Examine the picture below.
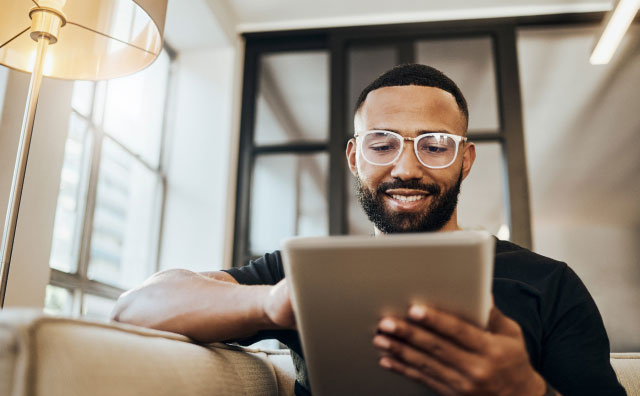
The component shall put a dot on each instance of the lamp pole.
(21, 165)
(45, 27)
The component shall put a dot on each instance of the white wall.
(29, 270)
(581, 134)
(607, 259)
(199, 159)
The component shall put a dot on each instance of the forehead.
(409, 110)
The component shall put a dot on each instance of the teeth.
(404, 198)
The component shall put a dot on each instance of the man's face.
(406, 196)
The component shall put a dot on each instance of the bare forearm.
(199, 307)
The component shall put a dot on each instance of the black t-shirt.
(562, 327)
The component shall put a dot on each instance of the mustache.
(413, 184)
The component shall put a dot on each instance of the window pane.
(134, 109)
(72, 197)
(82, 98)
(468, 62)
(58, 301)
(365, 65)
(123, 242)
(97, 308)
(292, 103)
(289, 197)
(481, 204)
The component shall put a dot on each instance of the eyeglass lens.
(382, 148)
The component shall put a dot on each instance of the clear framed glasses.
(433, 150)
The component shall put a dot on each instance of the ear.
(468, 157)
(351, 156)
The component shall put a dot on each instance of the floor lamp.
(75, 40)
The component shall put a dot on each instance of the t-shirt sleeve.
(267, 270)
(575, 358)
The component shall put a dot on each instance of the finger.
(438, 347)
(461, 332)
(499, 323)
(420, 361)
(394, 365)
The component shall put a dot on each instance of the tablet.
(341, 287)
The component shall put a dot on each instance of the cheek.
(449, 176)
(370, 175)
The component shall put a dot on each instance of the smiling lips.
(410, 198)
(406, 199)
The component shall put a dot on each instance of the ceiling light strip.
(615, 25)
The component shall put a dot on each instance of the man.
(409, 156)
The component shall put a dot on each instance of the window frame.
(78, 283)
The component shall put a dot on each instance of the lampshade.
(101, 39)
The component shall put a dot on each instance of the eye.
(381, 143)
(434, 149)
(381, 147)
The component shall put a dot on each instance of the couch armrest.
(42, 355)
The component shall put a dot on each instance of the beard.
(433, 218)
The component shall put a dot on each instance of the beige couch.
(42, 355)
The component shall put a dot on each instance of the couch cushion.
(627, 367)
(52, 356)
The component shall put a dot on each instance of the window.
(108, 214)
(289, 150)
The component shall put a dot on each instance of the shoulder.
(550, 280)
(265, 270)
(518, 264)
(509, 252)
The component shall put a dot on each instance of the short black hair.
(416, 74)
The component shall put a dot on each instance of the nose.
(408, 166)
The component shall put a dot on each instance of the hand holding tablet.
(453, 357)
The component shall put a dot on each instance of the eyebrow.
(420, 132)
